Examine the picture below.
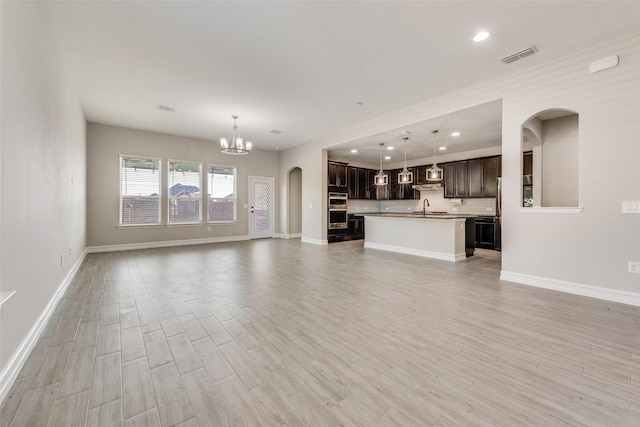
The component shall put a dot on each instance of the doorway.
(261, 202)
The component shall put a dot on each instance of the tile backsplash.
(437, 202)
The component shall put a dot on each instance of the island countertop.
(418, 215)
(439, 236)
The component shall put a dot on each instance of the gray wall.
(106, 143)
(560, 147)
(43, 171)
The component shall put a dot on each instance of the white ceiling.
(302, 67)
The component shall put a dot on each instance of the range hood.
(432, 186)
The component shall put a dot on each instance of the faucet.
(424, 209)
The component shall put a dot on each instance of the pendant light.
(380, 178)
(234, 144)
(434, 173)
(405, 177)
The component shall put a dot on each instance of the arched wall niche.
(550, 146)
(295, 202)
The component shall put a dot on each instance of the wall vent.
(519, 55)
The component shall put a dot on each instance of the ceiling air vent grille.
(519, 55)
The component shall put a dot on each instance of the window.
(184, 184)
(222, 194)
(139, 191)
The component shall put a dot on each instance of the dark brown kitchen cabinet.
(472, 178)
(476, 182)
(353, 182)
(490, 174)
(483, 177)
(461, 179)
(420, 174)
(361, 184)
(449, 176)
(338, 176)
(398, 191)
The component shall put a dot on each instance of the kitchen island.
(440, 236)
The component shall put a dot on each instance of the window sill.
(185, 224)
(222, 222)
(541, 210)
(139, 226)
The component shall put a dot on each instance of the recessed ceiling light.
(390, 148)
(354, 151)
(442, 148)
(455, 134)
(482, 35)
(387, 157)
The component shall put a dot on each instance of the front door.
(260, 207)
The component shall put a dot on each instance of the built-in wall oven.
(338, 222)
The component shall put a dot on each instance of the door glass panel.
(260, 206)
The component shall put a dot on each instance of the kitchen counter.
(419, 215)
(439, 236)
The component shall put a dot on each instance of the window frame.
(200, 219)
(121, 198)
(235, 193)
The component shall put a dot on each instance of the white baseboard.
(418, 252)
(287, 236)
(314, 241)
(16, 362)
(164, 244)
(623, 297)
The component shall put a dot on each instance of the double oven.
(338, 218)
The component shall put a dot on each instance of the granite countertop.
(418, 215)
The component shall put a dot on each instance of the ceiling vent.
(519, 55)
(166, 108)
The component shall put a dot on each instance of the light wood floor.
(275, 332)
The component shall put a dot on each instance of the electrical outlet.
(209, 228)
(634, 267)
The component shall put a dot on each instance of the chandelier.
(235, 144)
(434, 173)
(406, 176)
(380, 178)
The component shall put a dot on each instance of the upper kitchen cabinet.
(455, 179)
(420, 174)
(398, 191)
(490, 174)
(338, 176)
(475, 175)
(361, 183)
(483, 177)
(472, 178)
